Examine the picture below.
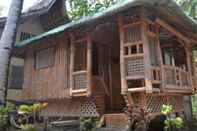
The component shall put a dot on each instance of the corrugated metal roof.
(166, 5)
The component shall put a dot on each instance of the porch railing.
(175, 78)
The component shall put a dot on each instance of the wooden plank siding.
(51, 82)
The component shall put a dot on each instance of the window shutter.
(45, 58)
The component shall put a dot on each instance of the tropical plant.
(4, 112)
(6, 44)
(88, 123)
(170, 121)
(194, 105)
(189, 6)
(28, 127)
(32, 110)
(81, 8)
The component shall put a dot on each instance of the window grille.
(25, 36)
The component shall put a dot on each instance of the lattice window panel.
(170, 76)
(132, 34)
(154, 103)
(80, 81)
(134, 65)
(89, 109)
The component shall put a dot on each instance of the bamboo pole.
(89, 65)
(72, 55)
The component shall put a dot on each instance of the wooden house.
(136, 53)
(38, 19)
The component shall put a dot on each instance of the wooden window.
(45, 58)
(153, 51)
(95, 60)
(25, 36)
(16, 77)
(167, 56)
(80, 59)
(132, 34)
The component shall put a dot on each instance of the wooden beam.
(124, 86)
(137, 89)
(172, 30)
(89, 64)
(193, 71)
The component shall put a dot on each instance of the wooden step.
(112, 129)
(100, 103)
(116, 120)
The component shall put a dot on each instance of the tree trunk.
(7, 42)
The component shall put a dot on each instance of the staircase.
(99, 101)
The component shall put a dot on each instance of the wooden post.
(160, 58)
(110, 78)
(193, 71)
(147, 62)
(189, 65)
(89, 64)
(124, 86)
(72, 56)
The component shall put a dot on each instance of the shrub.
(28, 127)
(4, 111)
(88, 123)
(170, 121)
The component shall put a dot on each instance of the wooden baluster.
(180, 78)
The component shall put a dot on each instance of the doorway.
(106, 64)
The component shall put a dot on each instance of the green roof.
(166, 5)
